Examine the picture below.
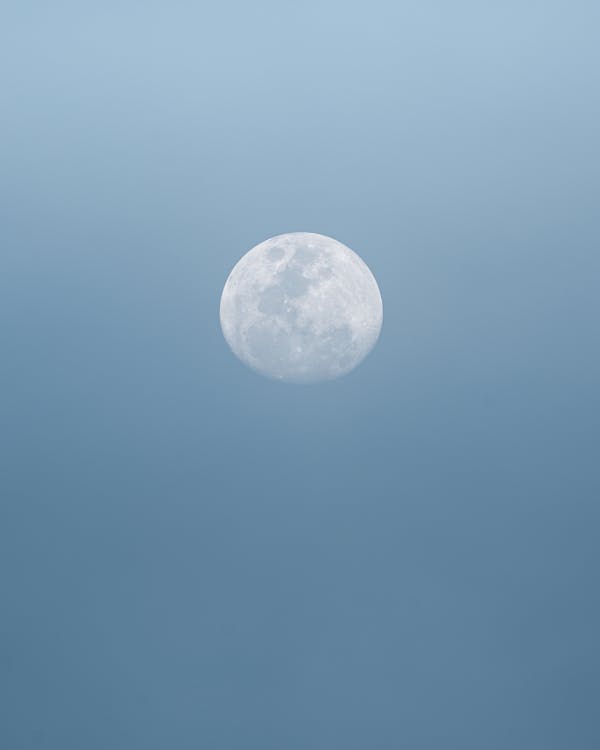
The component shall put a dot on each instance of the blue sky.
(193, 556)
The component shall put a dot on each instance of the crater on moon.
(301, 307)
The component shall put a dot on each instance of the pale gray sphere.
(301, 307)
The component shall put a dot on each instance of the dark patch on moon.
(293, 283)
(272, 301)
(304, 256)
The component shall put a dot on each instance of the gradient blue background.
(195, 557)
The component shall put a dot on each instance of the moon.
(301, 307)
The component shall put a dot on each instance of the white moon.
(301, 307)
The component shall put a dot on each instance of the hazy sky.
(192, 556)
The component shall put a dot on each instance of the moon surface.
(301, 307)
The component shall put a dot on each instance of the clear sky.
(192, 556)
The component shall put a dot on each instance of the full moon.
(301, 307)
